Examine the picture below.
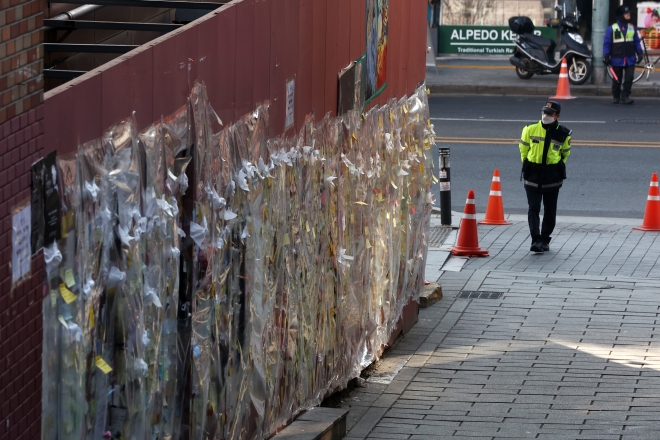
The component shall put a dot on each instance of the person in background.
(544, 148)
(622, 49)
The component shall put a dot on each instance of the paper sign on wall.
(21, 237)
(290, 100)
(52, 229)
(37, 202)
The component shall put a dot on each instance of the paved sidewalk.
(569, 350)
(498, 77)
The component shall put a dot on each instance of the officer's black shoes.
(537, 246)
(545, 247)
(615, 100)
(626, 100)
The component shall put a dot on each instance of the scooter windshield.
(570, 9)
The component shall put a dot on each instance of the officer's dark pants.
(534, 198)
(625, 73)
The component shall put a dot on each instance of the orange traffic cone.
(468, 239)
(495, 208)
(652, 212)
(563, 89)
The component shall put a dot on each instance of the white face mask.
(546, 118)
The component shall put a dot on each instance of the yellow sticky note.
(435, 179)
(421, 168)
(427, 144)
(91, 318)
(69, 279)
(103, 365)
(394, 186)
(67, 295)
(367, 244)
(287, 241)
(307, 226)
(360, 203)
(314, 232)
(380, 197)
(405, 108)
(366, 230)
(394, 221)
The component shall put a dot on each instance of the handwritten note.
(103, 365)
(67, 295)
(21, 249)
(69, 278)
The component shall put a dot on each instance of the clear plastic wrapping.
(219, 283)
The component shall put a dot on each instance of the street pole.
(598, 26)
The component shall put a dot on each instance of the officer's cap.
(622, 10)
(551, 107)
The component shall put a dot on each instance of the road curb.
(605, 90)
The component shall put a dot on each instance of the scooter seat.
(546, 43)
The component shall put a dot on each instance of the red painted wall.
(244, 52)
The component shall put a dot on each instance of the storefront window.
(496, 12)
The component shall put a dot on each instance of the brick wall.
(21, 56)
(21, 144)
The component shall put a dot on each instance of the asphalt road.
(615, 149)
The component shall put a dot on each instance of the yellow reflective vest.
(532, 142)
(623, 45)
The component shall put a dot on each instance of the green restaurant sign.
(481, 40)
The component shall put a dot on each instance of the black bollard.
(445, 186)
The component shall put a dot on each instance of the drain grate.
(640, 121)
(470, 294)
(437, 235)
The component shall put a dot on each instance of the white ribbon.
(198, 232)
(115, 276)
(228, 215)
(92, 190)
(52, 258)
(242, 182)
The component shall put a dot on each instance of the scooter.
(535, 55)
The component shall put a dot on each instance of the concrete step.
(316, 424)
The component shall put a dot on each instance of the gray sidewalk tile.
(555, 357)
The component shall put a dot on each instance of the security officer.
(622, 50)
(544, 148)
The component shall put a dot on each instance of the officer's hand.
(606, 60)
(640, 57)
